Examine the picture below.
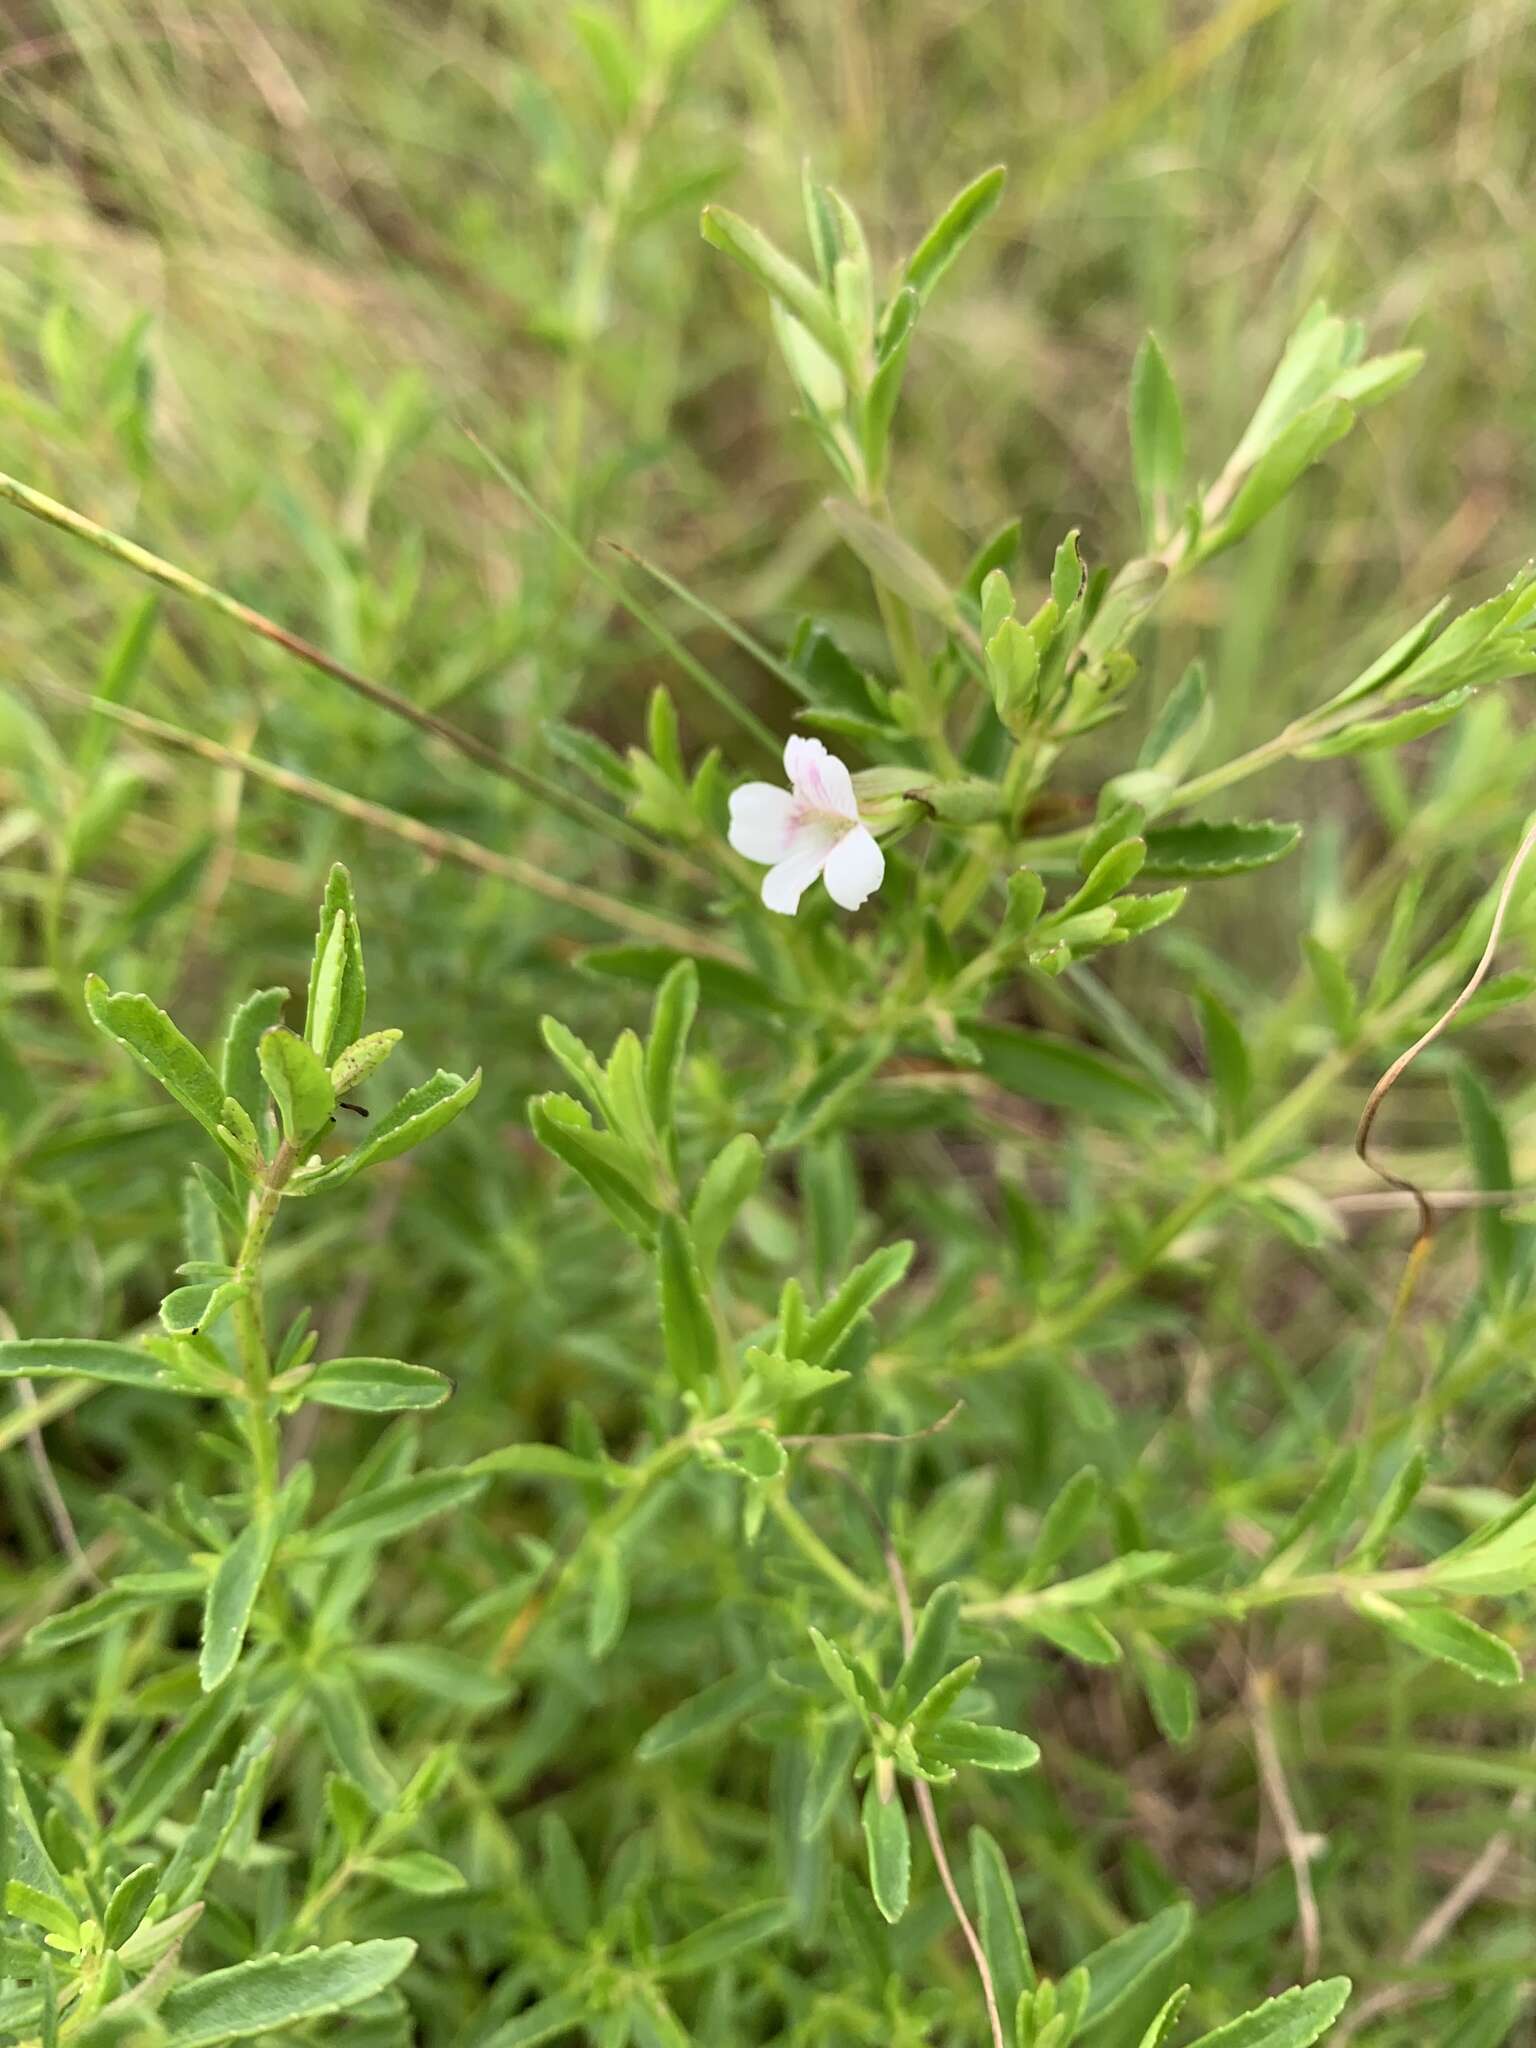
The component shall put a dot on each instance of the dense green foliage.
(869, 1477)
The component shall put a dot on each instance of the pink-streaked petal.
(855, 869)
(784, 885)
(820, 779)
(762, 821)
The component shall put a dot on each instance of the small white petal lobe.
(784, 885)
(855, 869)
(762, 821)
(819, 779)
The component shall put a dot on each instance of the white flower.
(810, 829)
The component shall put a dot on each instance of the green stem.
(826, 1561)
(251, 1333)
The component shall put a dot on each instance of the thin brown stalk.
(1370, 1387)
(1438, 1923)
(1447, 1017)
(875, 1436)
(1299, 1845)
(47, 1484)
(469, 744)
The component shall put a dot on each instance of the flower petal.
(855, 869)
(820, 780)
(762, 821)
(784, 885)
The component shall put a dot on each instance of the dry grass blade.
(438, 845)
(469, 744)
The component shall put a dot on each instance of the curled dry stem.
(1446, 1018)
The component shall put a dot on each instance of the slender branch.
(826, 1561)
(922, 1791)
(251, 1334)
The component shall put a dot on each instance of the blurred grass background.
(259, 266)
(262, 266)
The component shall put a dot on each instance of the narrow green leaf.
(1169, 1689)
(273, 1992)
(784, 279)
(864, 1286)
(1493, 1170)
(1180, 727)
(687, 1321)
(1169, 2011)
(999, 1922)
(1488, 2020)
(231, 1597)
(1128, 1962)
(837, 1668)
(160, 1049)
(1277, 468)
(354, 1063)
(607, 1166)
(385, 1512)
(1372, 734)
(542, 2022)
(893, 562)
(333, 1015)
(413, 1119)
(129, 1903)
(1294, 2020)
(172, 1765)
(1390, 1510)
(889, 1850)
(118, 1365)
(929, 1655)
(22, 1852)
(608, 1609)
(1227, 1061)
(1204, 851)
(543, 1461)
(677, 1002)
(375, 1385)
(300, 1085)
(953, 229)
(223, 1806)
(1447, 1636)
(241, 1062)
(325, 989)
(42, 1909)
(1157, 436)
(830, 1091)
(987, 1748)
(708, 1947)
(730, 1178)
(708, 1713)
(185, 1310)
(417, 1872)
(1063, 1074)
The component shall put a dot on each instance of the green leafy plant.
(914, 1372)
